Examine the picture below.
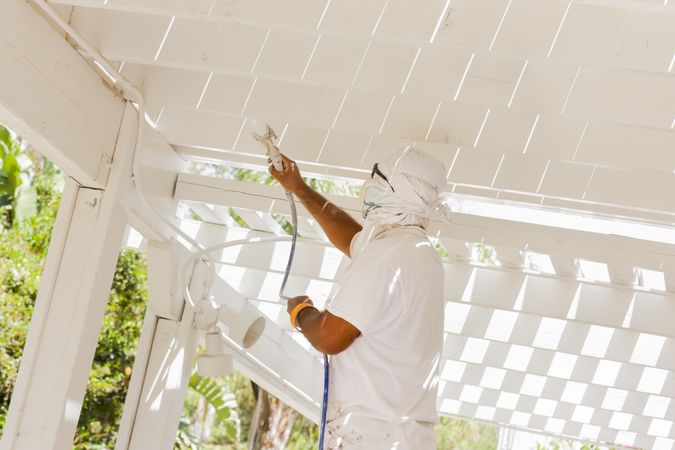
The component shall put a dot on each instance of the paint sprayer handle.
(275, 157)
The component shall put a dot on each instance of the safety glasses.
(377, 171)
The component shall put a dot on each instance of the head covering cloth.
(409, 196)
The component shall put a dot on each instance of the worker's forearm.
(313, 328)
(339, 226)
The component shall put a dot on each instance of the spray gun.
(273, 154)
(267, 139)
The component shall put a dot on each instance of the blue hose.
(324, 405)
(326, 376)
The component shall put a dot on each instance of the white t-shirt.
(383, 387)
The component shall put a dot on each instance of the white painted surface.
(533, 107)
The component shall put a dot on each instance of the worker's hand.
(295, 301)
(290, 177)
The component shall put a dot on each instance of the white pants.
(351, 433)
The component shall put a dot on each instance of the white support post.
(166, 380)
(66, 323)
(165, 276)
(133, 397)
(165, 359)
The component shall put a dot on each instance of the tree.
(10, 175)
(115, 353)
(272, 423)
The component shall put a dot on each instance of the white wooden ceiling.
(559, 106)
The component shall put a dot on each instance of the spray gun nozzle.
(270, 135)
(271, 149)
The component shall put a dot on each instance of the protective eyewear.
(377, 171)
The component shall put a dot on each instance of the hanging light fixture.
(244, 326)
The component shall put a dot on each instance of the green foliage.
(223, 402)
(115, 353)
(458, 434)
(184, 439)
(230, 429)
(304, 435)
(485, 254)
(10, 174)
(23, 247)
(237, 383)
(566, 444)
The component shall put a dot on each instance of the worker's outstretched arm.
(339, 226)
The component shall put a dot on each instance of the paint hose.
(267, 139)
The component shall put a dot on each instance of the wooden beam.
(543, 239)
(167, 375)
(53, 99)
(545, 337)
(561, 298)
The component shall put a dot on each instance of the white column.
(165, 359)
(166, 380)
(66, 323)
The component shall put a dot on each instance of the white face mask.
(372, 196)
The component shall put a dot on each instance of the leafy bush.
(23, 247)
(115, 353)
(458, 434)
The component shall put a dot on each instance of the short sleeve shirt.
(393, 293)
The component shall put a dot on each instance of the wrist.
(303, 314)
(301, 189)
(297, 309)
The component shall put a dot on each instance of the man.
(384, 324)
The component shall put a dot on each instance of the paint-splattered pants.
(350, 433)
